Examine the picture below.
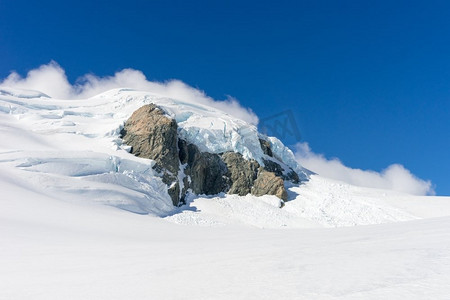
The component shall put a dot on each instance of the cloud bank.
(51, 79)
(394, 177)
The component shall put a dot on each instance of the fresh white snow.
(81, 218)
(57, 250)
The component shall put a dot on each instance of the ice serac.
(185, 168)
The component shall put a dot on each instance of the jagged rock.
(153, 135)
(174, 191)
(292, 176)
(207, 172)
(265, 146)
(277, 169)
(273, 167)
(241, 172)
(183, 153)
(267, 183)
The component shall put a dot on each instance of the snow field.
(52, 249)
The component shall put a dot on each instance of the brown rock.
(268, 183)
(153, 135)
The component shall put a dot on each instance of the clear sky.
(367, 82)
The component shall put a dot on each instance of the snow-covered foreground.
(81, 218)
(56, 250)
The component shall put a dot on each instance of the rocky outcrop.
(208, 174)
(276, 168)
(265, 146)
(242, 173)
(267, 183)
(271, 165)
(206, 171)
(152, 134)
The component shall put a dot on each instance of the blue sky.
(368, 83)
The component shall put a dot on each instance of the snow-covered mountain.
(82, 217)
(72, 150)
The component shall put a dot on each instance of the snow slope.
(80, 217)
(52, 249)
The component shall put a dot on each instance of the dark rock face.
(265, 146)
(242, 173)
(292, 176)
(153, 135)
(227, 172)
(277, 169)
(208, 174)
(183, 153)
(271, 166)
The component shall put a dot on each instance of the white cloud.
(51, 79)
(395, 177)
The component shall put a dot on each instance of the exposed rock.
(174, 191)
(153, 135)
(265, 146)
(273, 167)
(242, 172)
(207, 172)
(292, 176)
(277, 169)
(183, 151)
(268, 183)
